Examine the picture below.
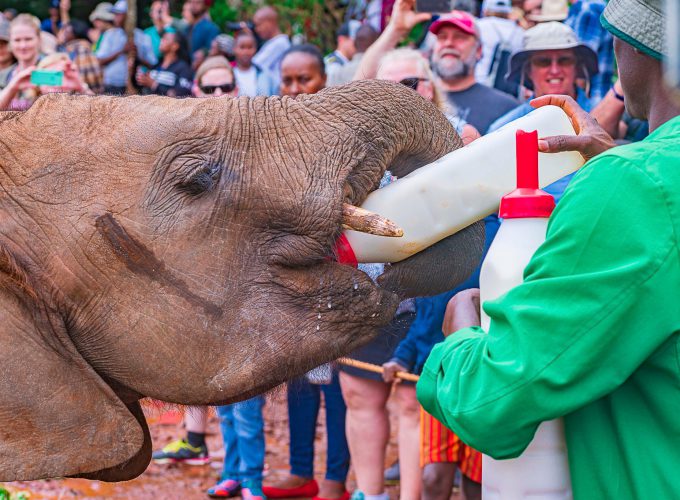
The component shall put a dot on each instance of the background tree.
(317, 20)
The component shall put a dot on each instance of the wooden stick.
(130, 25)
(370, 367)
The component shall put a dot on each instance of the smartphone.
(434, 6)
(47, 77)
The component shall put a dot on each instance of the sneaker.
(392, 474)
(182, 452)
(226, 488)
(252, 490)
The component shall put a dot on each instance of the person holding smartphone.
(24, 43)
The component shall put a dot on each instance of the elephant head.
(178, 249)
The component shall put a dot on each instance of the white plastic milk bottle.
(542, 471)
(441, 198)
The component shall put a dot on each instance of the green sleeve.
(598, 298)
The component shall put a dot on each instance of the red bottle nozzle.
(344, 252)
(527, 200)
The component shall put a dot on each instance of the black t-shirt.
(175, 80)
(480, 105)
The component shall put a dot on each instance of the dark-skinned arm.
(590, 139)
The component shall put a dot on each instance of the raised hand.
(405, 18)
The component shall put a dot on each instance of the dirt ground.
(180, 482)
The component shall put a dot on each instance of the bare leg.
(408, 439)
(471, 490)
(438, 480)
(368, 429)
(196, 419)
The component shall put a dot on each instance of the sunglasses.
(544, 61)
(211, 89)
(412, 82)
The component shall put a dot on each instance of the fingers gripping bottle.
(542, 471)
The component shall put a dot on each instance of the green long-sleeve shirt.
(591, 334)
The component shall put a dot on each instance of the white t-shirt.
(246, 81)
(493, 30)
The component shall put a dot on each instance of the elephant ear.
(438, 268)
(59, 418)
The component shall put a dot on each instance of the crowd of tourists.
(480, 64)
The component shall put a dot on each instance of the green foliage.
(317, 20)
(5, 494)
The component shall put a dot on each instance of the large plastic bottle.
(460, 188)
(542, 471)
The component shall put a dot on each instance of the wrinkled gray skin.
(176, 250)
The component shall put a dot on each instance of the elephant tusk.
(358, 219)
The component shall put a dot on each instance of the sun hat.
(464, 21)
(212, 62)
(641, 23)
(551, 10)
(120, 7)
(500, 6)
(102, 11)
(552, 36)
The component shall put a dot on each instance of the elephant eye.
(201, 180)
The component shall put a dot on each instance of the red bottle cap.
(527, 200)
(344, 252)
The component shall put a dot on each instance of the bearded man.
(456, 52)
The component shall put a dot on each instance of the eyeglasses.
(545, 61)
(210, 89)
(412, 82)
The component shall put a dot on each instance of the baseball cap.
(120, 7)
(458, 19)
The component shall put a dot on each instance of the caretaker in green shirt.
(592, 333)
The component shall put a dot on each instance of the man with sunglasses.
(551, 60)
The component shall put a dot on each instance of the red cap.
(458, 19)
(344, 252)
(527, 200)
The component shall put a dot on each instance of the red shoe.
(308, 489)
(344, 496)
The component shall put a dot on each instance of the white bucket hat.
(552, 36)
(102, 11)
(551, 10)
(640, 23)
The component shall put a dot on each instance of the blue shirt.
(584, 19)
(201, 35)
